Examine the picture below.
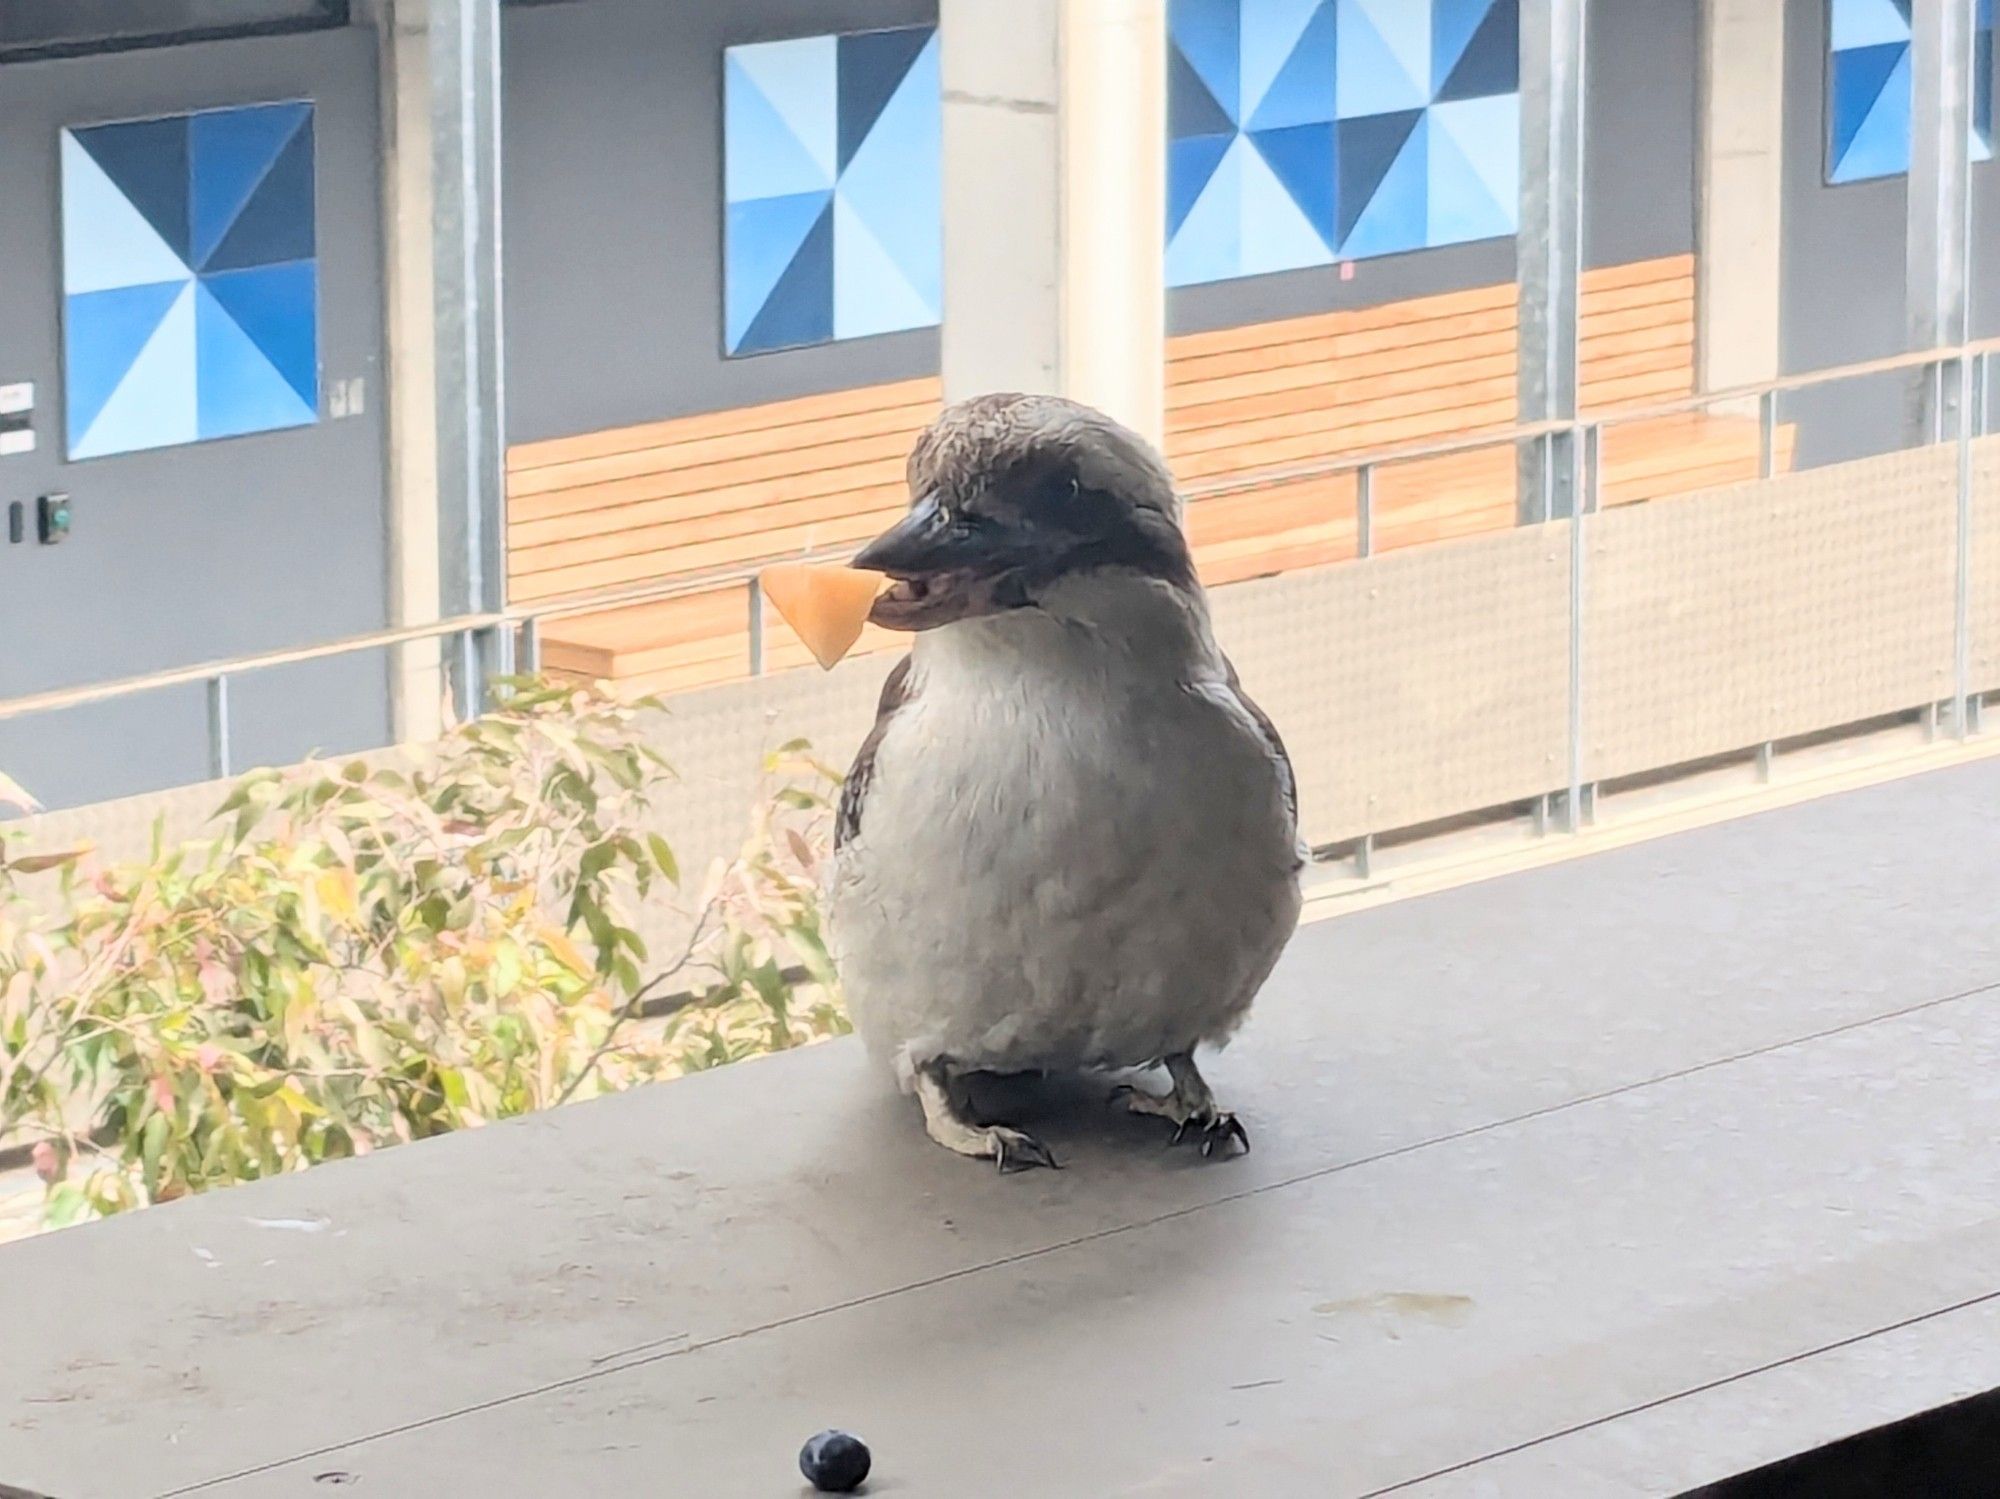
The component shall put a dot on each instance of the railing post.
(218, 727)
(756, 628)
(1961, 689)
(465, 172)
(1364, 510)
(531, 645)
(1767, 433)
(1573, 808)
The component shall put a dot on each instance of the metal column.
(1939, 227)
(1938, 242)
(1550, 247)
(465, 175)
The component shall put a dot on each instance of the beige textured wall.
(1716, 621)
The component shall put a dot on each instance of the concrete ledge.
(1648, 1167)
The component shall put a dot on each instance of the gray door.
(224, 498)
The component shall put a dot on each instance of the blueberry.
(835, 1462)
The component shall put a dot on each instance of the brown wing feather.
(854, 791)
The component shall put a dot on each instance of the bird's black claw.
(1017, 1150)
(1219, 1129)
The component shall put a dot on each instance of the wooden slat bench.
(726, 490)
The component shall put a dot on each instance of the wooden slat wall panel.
(736, 487)
(733, 488)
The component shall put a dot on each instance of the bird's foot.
(1189, 1107)
(948, 1120)
(1218, 1129)
(1017, 1150)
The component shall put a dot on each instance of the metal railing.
(1971, 365)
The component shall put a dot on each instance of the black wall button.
(17, 522)
(52, 518)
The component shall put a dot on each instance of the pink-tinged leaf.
(217, 983)
(163, 1094)
(48, 1165)
(801, 850)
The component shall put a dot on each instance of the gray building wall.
(613, 200)
(187, 554)
(613, 195)
(1844, 288)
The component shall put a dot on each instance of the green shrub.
(365, 956)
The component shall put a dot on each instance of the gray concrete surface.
(1605, 1179)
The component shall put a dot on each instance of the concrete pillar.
(1055, 201)
(418, 683)
(1741, 172)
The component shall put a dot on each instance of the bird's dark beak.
(944, 571)
(921, 542)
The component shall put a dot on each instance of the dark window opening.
(64, 28)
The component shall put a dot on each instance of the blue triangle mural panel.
(1868, 89)
(763, 237)
(1191, 162)
(229, 153)
(1396, 216)
(891, 191)
(273, 305)
(870, 67)
(799, 309)
(1375, 71)
(1369, 147)
(276, 223)
(1453, 25)
(1207, 33)
(1302, 91)
(1301, 158)
(1491, 61)
(239, 390)
(876, 120)
(1191, 108)
(104, 332)
(230, 193)
(148, 162)
(766, 158)
(1858, 77)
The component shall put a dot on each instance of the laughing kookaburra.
(1070, 841)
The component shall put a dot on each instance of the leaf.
(37, 863)
(152, 1140)
(65, 1205)
(505, 974)
(338, 894)
(663, 856)
(566, 952)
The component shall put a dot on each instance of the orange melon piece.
(826, 605)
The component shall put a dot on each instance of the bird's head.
(1013, 494)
